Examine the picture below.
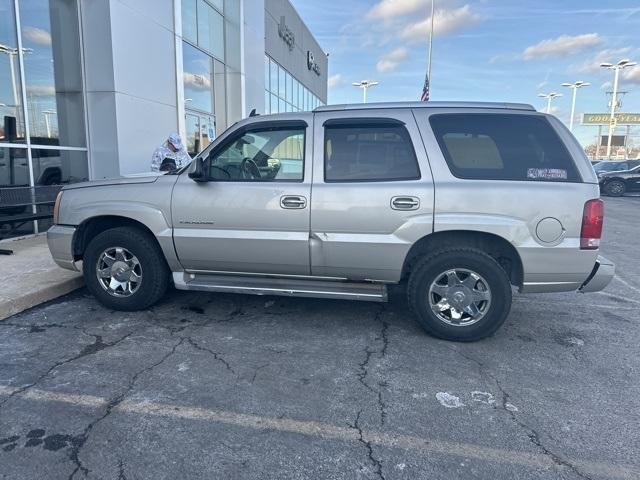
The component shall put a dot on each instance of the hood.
(148, 178)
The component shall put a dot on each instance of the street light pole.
(549, 97)
(365, 85)
(433, 11)
(12, 53)
(46, 114)
(574, 86)
(614, 98)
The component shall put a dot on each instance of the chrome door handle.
(293, 201)
(405, 203)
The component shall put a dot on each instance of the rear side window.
(503, 147)
(369, 153)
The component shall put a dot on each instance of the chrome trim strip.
(268, 275)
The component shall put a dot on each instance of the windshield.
(610, 166)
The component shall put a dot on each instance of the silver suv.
(460, 201)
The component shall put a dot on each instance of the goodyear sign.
(604, 118)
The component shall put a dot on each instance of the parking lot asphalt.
(244, 387)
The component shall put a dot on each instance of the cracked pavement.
(245, 387)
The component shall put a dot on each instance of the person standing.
(171, 155)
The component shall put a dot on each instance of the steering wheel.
(226, 174)
(249, 169)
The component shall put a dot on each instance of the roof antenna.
(253, 113)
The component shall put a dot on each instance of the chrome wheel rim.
(459, 297)
(615, 188)
(119, 272)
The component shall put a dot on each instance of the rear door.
(372, 193)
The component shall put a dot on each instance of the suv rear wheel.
(125, 269)
(459, 294)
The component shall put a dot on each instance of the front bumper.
(60, 241)
(602, 273)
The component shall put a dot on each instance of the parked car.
(459, 201)
(617, 178)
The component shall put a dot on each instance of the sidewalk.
(30, 277)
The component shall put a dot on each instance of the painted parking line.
(310, 428)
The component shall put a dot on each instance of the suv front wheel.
(125, 269)
(459, 294)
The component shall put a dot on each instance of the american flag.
(425, 89)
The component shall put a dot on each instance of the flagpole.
(433, 2)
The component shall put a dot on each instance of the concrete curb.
(33, 299)
(30, 277)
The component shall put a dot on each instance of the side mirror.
(198, 172)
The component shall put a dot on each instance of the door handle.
(405, 203)
(293, 202)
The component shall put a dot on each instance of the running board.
(290, 287)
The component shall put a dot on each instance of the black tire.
(431, 267)
(615, 188)
(155, 272)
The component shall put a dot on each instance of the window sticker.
(547, 174)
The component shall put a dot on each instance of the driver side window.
(267, 155)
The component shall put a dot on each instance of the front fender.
(76, 209)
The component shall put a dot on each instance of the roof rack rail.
(382, 105)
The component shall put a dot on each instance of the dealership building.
(88, 89)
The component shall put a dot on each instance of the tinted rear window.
(503, 147)
(369, 153)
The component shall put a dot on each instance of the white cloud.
(608, 55)
(197, 82)
(445, 21)
(390, 61)
(335, 80)
(562, 46)
(388, 9)
(632, 75)
(37, 36)
(606, 85)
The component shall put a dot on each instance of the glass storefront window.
(282, 82)
(189, 21)
(197, 78)
(285, 92)
(53, 74)
(220, 85)
(192, 128)
(273, 84)
(288, 87)
(210, 29)
(59, 167)
(219, 4)
(11, 112)
(200, 131)
(14, 167)
(14, 172)
(233, 46)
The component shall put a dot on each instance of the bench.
(19, 205)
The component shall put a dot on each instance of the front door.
(253, 214)
(372, 193)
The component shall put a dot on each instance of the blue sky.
(493, 50)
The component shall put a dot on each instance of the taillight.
(592, 219)
(56, 208)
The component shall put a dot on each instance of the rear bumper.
(600, 276)
(602, 273)
(60, 241)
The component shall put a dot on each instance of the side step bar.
(291, 287)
